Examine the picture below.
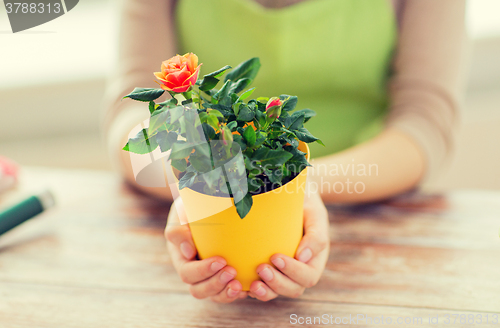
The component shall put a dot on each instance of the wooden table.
(99, 260)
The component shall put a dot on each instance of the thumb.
(316, 232)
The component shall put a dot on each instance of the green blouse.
(333, 54)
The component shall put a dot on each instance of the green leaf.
(271, 157)
(213, 121)
(215, 112)
(240, 85)
(157, 120)
(209, 131)
(203, 149)
(234, 97)
(223, 92)
(212, 179)
(239, 140)
(294, 121)
(180, 149)
(176, 113)
(208, 83)
(203, 117)
(179, 164)
(261, 137)
(290, 102)
(275, 176)
(227, 111)
(236, 108)
(152, 107)
(298, 162)
(289, 139)
(276, 157)
(245, 94)
(187, 180)
(304, 135)
(210, 93)
(169, 103)
(145, 94)
(218, 73)
(200, 162)
(141, 143)
(254, 184)
(308, 113)
(260, 118)
(248, 69)
(260, 153)
(244, 205)
(232, 125)
(166, 139)
(249, 135)
(187, 101)
(249, 163)
(245, 114)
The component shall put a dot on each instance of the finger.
(213, 285)
(192, 272)
(261, 291)
(278, 282)
(179, 235)
(316, 229)
(303, 274)
(230, 293)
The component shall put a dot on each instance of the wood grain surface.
(99, 260)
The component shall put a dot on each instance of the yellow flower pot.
(273, 225)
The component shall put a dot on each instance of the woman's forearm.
(387, 165)
(117, 136)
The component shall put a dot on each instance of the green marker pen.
(25, 210)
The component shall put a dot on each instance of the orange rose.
(179, 73)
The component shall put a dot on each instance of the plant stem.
(199, 97)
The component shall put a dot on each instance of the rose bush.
(203, 128)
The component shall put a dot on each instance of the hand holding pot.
(290, 277)
(208, 278)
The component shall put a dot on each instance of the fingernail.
(232, 293)
(216, 266)
(187, 250)
(279, 263)
(305, 255)
(226, 277)
(266, 274)
(260, 291)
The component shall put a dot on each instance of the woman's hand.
(208, 278)
(290, 277)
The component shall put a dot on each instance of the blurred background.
(52, 81)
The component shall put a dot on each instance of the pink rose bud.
(274, 101)
(273, 107)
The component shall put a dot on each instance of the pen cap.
(47, 199)
(25, 210)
